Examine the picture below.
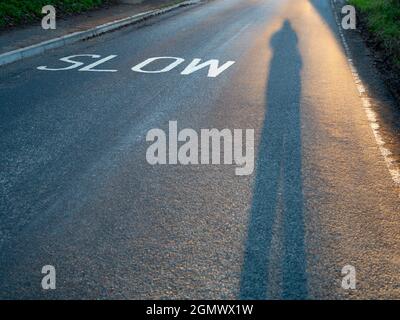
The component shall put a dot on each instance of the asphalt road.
(77, 192)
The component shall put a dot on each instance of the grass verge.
(382, 18)
(17, 12)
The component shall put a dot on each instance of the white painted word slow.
(213, 66)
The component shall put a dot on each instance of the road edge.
(390, 162)
(36, 49)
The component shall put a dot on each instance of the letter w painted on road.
(214, 69)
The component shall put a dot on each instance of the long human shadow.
(278, 196)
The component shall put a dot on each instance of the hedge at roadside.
(383, 21)
(16, 12)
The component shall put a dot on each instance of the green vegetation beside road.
(15, 12)
(383, 21)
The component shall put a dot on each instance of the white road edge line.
(371, 114)
(19, 54)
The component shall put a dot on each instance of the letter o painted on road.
(172, 65)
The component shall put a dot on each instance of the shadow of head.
(285, 34)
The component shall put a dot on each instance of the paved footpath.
(21, 37)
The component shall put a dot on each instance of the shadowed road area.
(77, 193)
(278, 195)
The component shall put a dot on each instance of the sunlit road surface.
(77, 192)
